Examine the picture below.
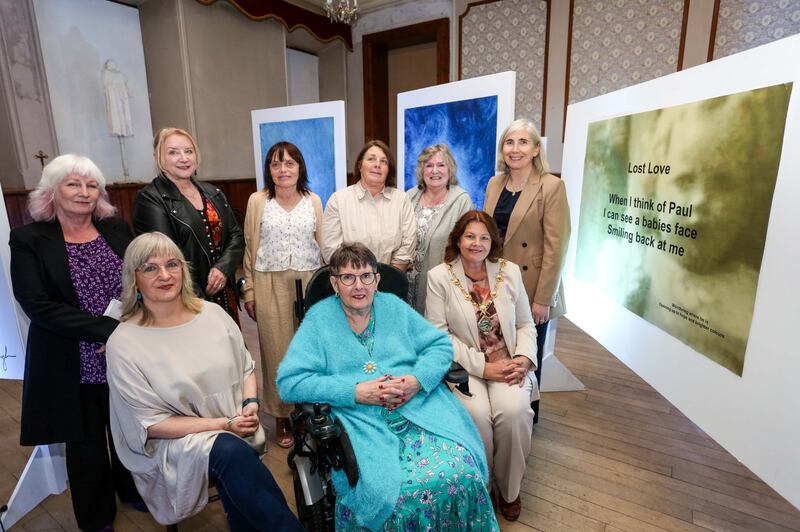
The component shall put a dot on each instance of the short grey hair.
(356, 254)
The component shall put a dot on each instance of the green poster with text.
(674, 214)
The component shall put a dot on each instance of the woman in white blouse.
(372, 212)
(282, 236)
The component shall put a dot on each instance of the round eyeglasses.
(151, 270)
(348, 279)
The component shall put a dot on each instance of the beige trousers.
(274, 295)
(504, 419)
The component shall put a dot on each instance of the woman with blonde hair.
(194, 214)
(183, 397)
(438, 203)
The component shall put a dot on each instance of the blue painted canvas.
(314, 137)
(468, 127)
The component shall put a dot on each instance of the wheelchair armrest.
(458, 376)
(332, 445)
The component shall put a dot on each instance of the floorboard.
(614, 457)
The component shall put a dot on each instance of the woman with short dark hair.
(373, 211)
(479, 299)
(379, 364)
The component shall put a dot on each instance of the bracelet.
(251, 400)
(229, 424)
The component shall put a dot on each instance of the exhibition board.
(674, 292)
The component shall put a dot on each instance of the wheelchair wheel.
(313, 517)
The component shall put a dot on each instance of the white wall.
(77, 38)
(303, 73)
(755, 417)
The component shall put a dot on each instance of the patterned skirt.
(442, 488)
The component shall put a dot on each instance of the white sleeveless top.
(288, 238)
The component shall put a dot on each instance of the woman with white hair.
(529, 205)
(66, 267)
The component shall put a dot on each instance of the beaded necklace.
(485, 323)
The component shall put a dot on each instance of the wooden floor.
(615, 457)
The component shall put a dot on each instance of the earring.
(138, 296)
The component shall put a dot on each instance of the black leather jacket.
(160, 206)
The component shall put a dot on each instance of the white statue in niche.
(118, 95)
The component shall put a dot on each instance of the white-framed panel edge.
(754, 417)
(500, 85)
(334, 109)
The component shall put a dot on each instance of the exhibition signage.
(674, 214)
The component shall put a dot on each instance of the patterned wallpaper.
(508, 35)
(618, 43)
(745, 24)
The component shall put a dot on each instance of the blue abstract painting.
(314, 137)
(468, 127)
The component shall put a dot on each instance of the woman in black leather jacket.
(195, 215)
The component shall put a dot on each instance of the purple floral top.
(96, 273)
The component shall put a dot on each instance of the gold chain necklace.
(485, 323)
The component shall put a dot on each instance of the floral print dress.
(442, 488)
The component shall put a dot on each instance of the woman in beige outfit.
(529, 205)
(282, 236)
(480, 300)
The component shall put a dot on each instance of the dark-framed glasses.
(348, 279)
(151, 269)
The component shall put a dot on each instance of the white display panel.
(469, 116)
(317, 129)
(753, 416)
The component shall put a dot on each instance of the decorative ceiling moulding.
(292, 17)
(646, 57)
(519, 15)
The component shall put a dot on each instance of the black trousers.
(95, 473)
(541, 336)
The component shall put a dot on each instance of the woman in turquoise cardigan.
(380, 365)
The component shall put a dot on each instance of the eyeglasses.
(151, 270)
(348, 279)
(277, 165)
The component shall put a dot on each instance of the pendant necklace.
(367, 339)
(485, 322)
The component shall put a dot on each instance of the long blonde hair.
(139, 251)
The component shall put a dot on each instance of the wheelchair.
(321, 444)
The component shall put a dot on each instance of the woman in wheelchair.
(379, 365)
(182, 394)
(480, 300)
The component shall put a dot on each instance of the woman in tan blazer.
(282, 244)
(530, 208)
(480, 300)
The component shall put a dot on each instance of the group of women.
(180, 383)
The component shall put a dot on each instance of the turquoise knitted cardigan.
(324, 363)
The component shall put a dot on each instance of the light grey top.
(456, 204)
(194, 369)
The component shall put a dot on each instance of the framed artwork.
(317, 129)
(468, 116)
